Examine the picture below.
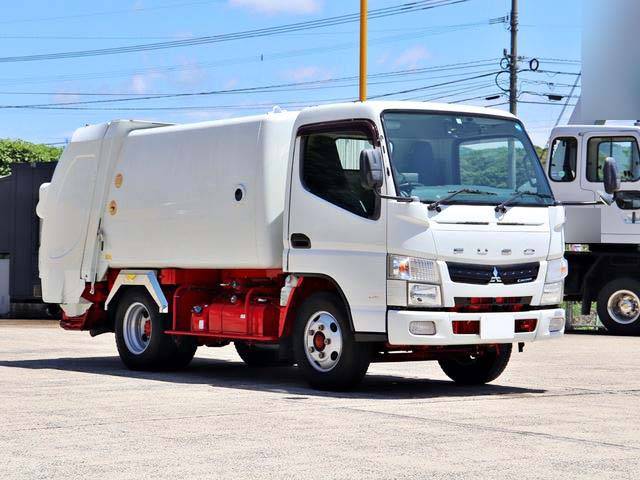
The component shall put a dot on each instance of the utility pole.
(513, 57)
(363, 50)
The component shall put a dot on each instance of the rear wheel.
(479, 368)
(140, 338)
(619, 306)
(324, 345)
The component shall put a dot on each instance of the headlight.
(413, 269)
(552, 293)
(557, 270)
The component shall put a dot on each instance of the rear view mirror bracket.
(372, 174)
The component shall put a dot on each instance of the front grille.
(491, 301)
(491, 304)
(485, 274)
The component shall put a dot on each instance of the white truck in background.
(331, 237)
(603, 239)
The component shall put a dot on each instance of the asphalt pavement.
(69, 409)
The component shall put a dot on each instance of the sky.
(450, 53)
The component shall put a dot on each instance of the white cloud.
(280, 6)
(302, 74)
(412, 57)
(231, 83)
(63, 97)
(139, 84)
(191, 71)
(143, 82)
(383, 57)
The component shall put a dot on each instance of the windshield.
(436, 155)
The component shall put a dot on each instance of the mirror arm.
(601, 201)
(391, 197)
(578, 204)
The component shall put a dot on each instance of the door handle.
(300, 240)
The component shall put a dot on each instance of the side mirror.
(371, 170)
(611, 179)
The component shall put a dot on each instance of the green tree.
(542, 153)
(16, 151)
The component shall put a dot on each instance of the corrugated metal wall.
(349, 152)
(20, 226)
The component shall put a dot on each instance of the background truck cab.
(604, 262)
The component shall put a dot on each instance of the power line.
(82, 105)
(548, 94)
(401, 9)
(566, 104)
(174, 68)
(281, 87)
(110, 12)
(556, 72)
(547, 103)
(418, 89)
(397, 75)
(437, 29)
(475, 98)
(447, 91)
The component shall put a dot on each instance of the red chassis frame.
(218, 306)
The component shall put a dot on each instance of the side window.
(563, 159)
(623, 149)
(331, 169)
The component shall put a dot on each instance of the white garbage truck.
(328, 238)
(602, 236)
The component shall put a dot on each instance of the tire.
(619, 306)
(185, 351)
(339, 364)
(140, 338)
(257, 356)
(469, 370)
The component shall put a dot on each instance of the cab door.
(620, 222)
(564, 172)
(336, 227)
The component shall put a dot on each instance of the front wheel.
(619, 306)
(477, 369)
(324, 345)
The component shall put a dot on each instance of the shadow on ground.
(227, 374)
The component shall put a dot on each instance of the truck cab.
(453, 259)
(602, 239)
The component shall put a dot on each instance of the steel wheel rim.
(323, 341)
(136, 328)
(624, 307)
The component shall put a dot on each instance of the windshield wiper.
(436, 205)
(502, 208)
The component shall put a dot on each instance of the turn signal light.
(526, 325)
(466, 327)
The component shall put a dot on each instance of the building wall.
(19, 226)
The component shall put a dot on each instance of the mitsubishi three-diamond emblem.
(496, 276)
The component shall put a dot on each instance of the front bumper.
(494, 327)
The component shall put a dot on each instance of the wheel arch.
(146, 279)
(604, 269)
(313, 283)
